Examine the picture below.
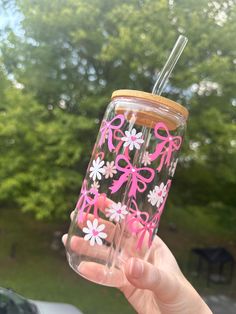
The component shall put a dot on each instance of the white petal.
(131, 146)
(127, 133)
(92, 241)
(139, 140)
(157, 190)
(101, 227)
(98, 176)
(153, 202)
(133, 132)
(102, 170)
(117, 218)
(126, 144)
(86, 230)
(113, 216)
(101, 163)
(89, 224)
(98, 240)
(95, 223)
(95, 162)
(138, 135)
(102, 235)
(113, 211)
(137, 146)
(87, 237)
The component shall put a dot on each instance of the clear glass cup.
(126, 185)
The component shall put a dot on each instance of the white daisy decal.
(132, 139)
(173, 167)
(156, 196)
(109, 169)
(146, 159)
(97, 169)
(152, 197)
(116, 212)
(94, 232)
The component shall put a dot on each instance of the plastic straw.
(169, 65)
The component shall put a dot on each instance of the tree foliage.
(69, 57)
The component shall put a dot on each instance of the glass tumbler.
(126, 185)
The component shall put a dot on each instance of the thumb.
(144, 275)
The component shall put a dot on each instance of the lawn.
(185, 228)
(38, 272)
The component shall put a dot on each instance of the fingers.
(103, 202)
(144, 275)
(102, 274)
(81, 247)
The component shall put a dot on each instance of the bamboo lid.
(150, 118)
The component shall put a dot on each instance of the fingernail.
(135, 268)
(63, 239)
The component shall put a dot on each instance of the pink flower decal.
(146, 159)
(138, 181)
(94, 232)
(116, 212)
(166, 147)
(95, 185)
(109, 169)
(108, 127)
(87, 201)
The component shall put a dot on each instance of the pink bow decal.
(138, 182)
(166, 147)
(136, 218)
(108, 127)
(147, 228)
(118, 138)
(139, 224)
(86, 202)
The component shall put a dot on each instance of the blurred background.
(59, 63)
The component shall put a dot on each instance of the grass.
(37, 272)
(185, 228)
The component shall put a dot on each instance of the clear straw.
(170, 64)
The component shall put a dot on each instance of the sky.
(10, 17)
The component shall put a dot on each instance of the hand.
(156, 285)
(159, 286)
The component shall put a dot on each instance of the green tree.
(72, 54)
(41, 153)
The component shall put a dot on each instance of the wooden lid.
(155, 99)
